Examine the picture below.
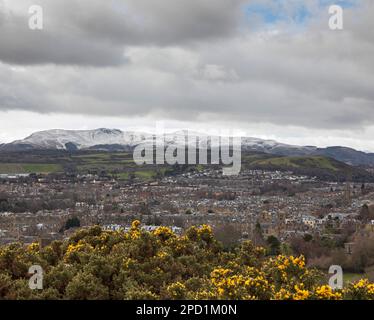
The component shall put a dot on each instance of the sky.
(271, 68)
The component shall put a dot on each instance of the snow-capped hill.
(78, 139)
(272, 146)
(58, 139)
(114, 140)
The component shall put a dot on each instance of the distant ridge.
(116, 140)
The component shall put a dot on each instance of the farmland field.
(13, 168)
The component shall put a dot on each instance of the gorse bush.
(97, 264)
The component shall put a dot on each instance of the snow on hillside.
(57, 139)
(83, 139)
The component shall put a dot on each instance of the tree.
(258, 235)
(274, 245)
(73, 222)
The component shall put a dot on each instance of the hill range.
(108, 151)
(116, 140)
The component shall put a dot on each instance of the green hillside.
(324, 168)
(122, 166)
(315, 162)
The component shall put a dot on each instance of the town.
(256, 205)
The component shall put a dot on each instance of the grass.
(298, 162)
(93, 156)
(123, 176)
(140, 174)
(281, 162)
(121, 165)
(352, 277)
(145, 174)
(106, 161)
(13, 168)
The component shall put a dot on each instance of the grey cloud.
(315, 78)
(95, 32)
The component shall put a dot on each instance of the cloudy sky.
(272, 68)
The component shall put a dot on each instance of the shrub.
(98, 264)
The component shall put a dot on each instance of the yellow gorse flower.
(326, 293)
(164, 265)
(164, 233)
(33, 247)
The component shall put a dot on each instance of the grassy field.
(121, 164)
(297, 162)
(111, 162)
(145, 174)
(13, 168)
(118, 164)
